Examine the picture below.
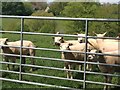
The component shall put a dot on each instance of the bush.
(40, 25)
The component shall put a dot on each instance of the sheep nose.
(90, 57)
(57, 43)
(80, 41)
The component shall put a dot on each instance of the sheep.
(58, 40)
(107, 60)
(72, 55)
(15, 50)
(81, 39)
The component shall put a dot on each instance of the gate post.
(85, 56)
(21, 39)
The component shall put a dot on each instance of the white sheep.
(58, 40)
(72, 55)
(106, 60)
(16, 50)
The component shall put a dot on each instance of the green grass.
(10, 24)
(46, 42)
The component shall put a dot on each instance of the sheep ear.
(58, 33)
(94, 33)
(6, 39)
(61, 37)
(104, 33)
(98, 51)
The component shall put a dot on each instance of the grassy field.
(46, 42)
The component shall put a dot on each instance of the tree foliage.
(39, 5)
(106, 11)
(91, 10)
(57, 7)
(16, 8)
(66, 9)
(40, 25)
(78, 10)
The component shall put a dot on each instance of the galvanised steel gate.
(84, 81)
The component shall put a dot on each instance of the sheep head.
(81, 38)
(65, 46)
(3, 41)
(58, 40)
(93, 57)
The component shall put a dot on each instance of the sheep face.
(80, 38)
(92, 57)
(65, 46)
(3, 41)
(58, 40)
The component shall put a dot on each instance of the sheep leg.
(32, 53)
(72, 67)
(106, 81)
(7, 60)
(13, 60)
(89, 67)
(23, 62)
(70, 72)
(67, 71)
(33, 63)
(66, 65)
(109, 81)
(80, 67)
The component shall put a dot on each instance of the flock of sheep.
(104, 46)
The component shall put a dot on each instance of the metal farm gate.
(22, 32)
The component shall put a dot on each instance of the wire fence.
(85, 61)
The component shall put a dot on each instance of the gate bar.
(21, 39)
(61, 18)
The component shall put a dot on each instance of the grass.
(10, 24)
(46, 42)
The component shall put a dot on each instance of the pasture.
(47, 42)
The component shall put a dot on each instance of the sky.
(111, 1)
(105, 1)
(102, 1)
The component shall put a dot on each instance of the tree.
(78, 10)
(106, 11)
(46, 26)
(57, 7)
(16, 8)
(39, 5)
(28, 8)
